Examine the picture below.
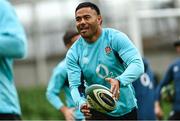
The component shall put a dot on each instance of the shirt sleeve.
(165, 81)
(130, 56)
(56, 82)
(74, 76)
(12, 36)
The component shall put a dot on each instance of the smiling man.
(103, 56)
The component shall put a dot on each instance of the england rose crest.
(108, 50)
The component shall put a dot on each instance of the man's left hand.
(115, 87)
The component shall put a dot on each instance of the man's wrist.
(157, 103)
(119, 82)
(63, 109)
(83, 101)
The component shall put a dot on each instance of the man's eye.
(77, 19)
(87, 17)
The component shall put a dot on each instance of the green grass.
(166, 107)
(35, 106)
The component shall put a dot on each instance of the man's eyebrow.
(83, 15)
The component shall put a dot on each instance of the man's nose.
(83, 21)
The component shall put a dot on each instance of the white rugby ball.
(100, 98)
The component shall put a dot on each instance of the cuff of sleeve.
(122, 83)
(82, 101)
(60, 106)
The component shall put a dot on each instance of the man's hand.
(158, 111)
(68, 113)
(115, 87)
(85, 109)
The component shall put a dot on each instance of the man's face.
(87, 22)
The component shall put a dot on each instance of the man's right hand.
(85, 109)
(68, 113)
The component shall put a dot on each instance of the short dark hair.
(88, 4)
(177, 43)
(68, 35)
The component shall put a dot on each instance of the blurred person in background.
(145, 93)
(13, 45)
(59, 82)
(103, 48)
(172, 75)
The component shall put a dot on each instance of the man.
(103, 56)
(172, 74)
(12, 46)
(145, 92)
(59, 82)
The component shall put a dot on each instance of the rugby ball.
(100, 98)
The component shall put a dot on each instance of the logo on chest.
(108, 50)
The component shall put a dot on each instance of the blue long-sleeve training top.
(98, 60)
(13, 45)
(57, 83)
(145, 93)
(172, 74)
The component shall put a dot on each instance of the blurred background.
(153, 26)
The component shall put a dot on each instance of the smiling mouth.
(84, 30)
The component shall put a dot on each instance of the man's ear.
(100, 20)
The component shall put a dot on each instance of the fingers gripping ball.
(100, 98)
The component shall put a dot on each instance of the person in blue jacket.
(59, 82)
(145, 93)
(13, 45)
(172, 74)
(103, 56)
